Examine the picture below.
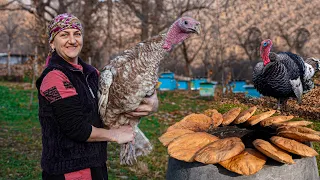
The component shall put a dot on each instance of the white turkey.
(132, 76)
(283, 75)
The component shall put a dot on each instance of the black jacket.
(66, 123)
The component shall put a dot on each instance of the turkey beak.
(197, 28)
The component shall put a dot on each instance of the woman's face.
(68, 44)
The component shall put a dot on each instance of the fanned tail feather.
(314, 62)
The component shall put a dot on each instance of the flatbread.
(193, 122)
(169, 136)
(185, 147)
(230, 116)
(293, 146)
(272, 151)
(248, 162)
(293, 123)
(275, 119)
(245, 115)
(302, 137)
(217, 119)
(297, 129)
(215, 116)
(220, 150)
(259, 117)
(210, 112)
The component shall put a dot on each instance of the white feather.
(297, 88)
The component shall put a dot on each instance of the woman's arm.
(73, 123)
(121, 135)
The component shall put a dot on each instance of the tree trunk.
(144, 19)
(34, 70)
(34, 67)
(187, 69)
(8, 60)
(109, 29)
(187, 60)
(156, 17)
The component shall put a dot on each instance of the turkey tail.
(314, 62)
(297, 88)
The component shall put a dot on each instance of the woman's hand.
(123, 134)
(147, 106)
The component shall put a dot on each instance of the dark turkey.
(282, 75)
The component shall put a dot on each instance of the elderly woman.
(73, 139)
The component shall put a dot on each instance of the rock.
(304, 169)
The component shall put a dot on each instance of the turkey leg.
(131, 150)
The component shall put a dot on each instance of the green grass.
(20, 147)
(20, 134)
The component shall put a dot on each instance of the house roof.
(15, 54)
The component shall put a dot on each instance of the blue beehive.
(251, 91)
(167, 75)
(167, 84)
(182, 85)
(207, 89)
(167, 81)
(214, 82)
(195, 83)
(237, 86)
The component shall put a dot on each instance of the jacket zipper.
(86, 78)
(89, 87)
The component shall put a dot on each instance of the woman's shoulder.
(55, 76)
(56, 85)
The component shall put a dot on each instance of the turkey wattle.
(132, 76)
(282, 75)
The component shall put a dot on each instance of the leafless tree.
(250, 42)
(11, 33)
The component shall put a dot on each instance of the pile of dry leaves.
(310, 107)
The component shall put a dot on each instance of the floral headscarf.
(62, 22)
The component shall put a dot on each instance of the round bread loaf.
(272, 151)
(193, 122)
(245, 115)
(169, 136)
(293, 146)
(275, 119)
(220, 150)
(185, 147)
(259, 117)
(247, 163)
(302, 137)
(230, 116)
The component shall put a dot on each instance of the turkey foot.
(140, 146)
(127, 154)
